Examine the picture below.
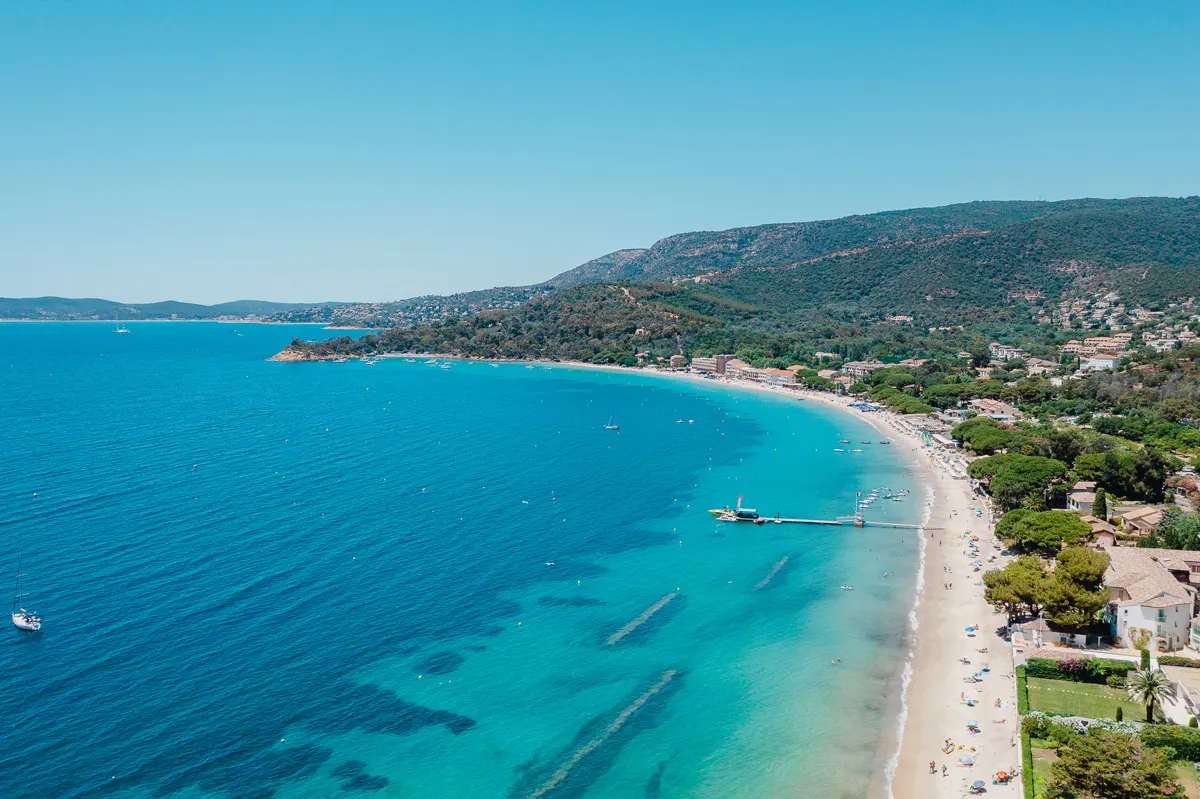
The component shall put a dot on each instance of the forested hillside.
(973, 276)
(984, 267)
(768, 246)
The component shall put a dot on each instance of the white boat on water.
(22, 619)
(611, 424)
(120, 327)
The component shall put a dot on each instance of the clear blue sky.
(294, 150)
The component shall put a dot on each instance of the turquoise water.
(317, 580)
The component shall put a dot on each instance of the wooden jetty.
(841, 521)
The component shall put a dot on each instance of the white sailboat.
(120, 327)
(21, 618)
(611, 424)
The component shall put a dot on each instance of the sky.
(206, 151)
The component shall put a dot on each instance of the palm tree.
(1150, 688)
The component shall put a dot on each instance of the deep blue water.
(310, 580)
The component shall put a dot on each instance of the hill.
(939, 265)
(779, 245)
(69, 309)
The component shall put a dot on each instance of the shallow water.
(311, 580)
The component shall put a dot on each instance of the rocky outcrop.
(292, 354)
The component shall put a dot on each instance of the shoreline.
(928, 707)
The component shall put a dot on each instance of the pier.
(841, 521)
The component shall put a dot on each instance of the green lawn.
(1188, 777)
(1042, 758)
(1081, 699)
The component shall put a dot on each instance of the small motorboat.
(838, 449)
(847, 587)
(856, 450)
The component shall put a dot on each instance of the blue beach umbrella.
(967, 760)
(972, 723)
(978, 783)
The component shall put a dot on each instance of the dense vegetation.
(1072, 595)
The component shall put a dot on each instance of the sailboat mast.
(17, 588)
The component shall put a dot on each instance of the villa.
(1152, 596)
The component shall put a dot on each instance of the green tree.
(1045, 531)
(1075, 593)
(1149, 474)
(980, 354)
(1115, 476)
(1016, 481)
(1018, 587)
(1178, 530)
(858, 388)
(1150, 688)
(1106, 765)
(1100, 504)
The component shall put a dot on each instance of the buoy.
(419, 676)
(518, 624)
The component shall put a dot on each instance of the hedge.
(1184, 740)
(1090, 670)
(1022, 692)
(1173, 660)
(1027, 765)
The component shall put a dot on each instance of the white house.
(1004, 352)
(1081, 496)
(861, 368)
(1148, 598)
(1101, 361)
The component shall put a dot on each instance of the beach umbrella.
(972, 723)
(970, 629)
(967, 760)
(978, 783)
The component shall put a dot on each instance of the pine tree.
(1100, 505)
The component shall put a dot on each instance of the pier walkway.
(847, 521)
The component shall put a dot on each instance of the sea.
(321, 580)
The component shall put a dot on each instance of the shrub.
(1090, 670)
(1120, 713)
(1027, 765)
(1174, 660)
(1184, 740)
(1193, 723)
(1115, 681)
(1145, 659)
(1022, 691)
